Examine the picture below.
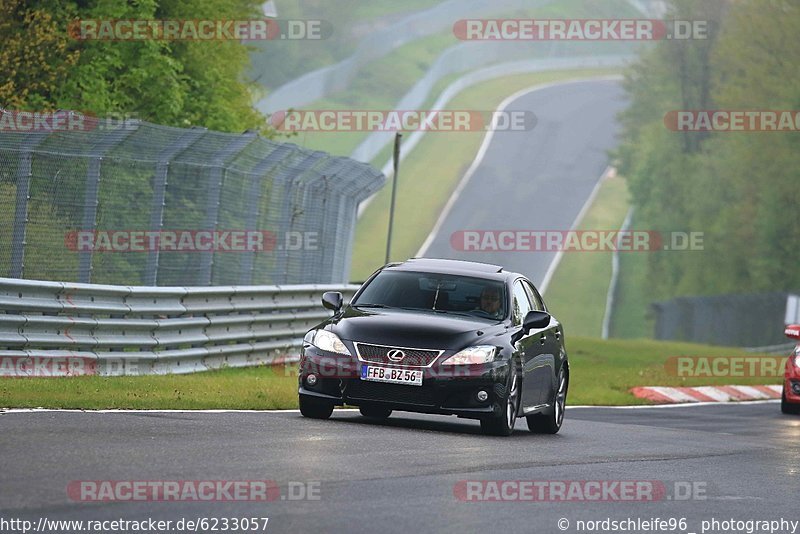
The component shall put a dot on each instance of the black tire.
(550, 423)
(503, 424)
(315, 408)
(372, 410)
(787, 407)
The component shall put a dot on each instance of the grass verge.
(630, 318)
(602, 374)
(381, 83)
(577, 293)
(431, 172)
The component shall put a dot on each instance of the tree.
(175, 83)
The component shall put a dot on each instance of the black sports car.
(442, 337)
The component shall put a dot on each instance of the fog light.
(796, 388)
(311, 380)
(482, 396)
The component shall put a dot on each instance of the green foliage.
(34, 57)
(175, 83)
(739, 188)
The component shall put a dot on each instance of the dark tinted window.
(432, 291)
(521, 304)
(534, 296)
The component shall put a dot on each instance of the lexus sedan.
(439, 337)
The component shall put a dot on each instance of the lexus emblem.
(396, 355)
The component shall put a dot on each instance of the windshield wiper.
(449, 312)
(370, 306)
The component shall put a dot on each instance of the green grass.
(602, 374)
(631, 317)
(603, 371)
(381, 83)
(431, 172)
(261, 388)
(577, 293)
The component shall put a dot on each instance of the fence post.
(289, 211)
(159, 193)
(329, 230)
(214, 192)
(270, 162)
(91, 200)
(24, 174)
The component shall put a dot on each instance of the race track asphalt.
(400, 475)
(538, 179)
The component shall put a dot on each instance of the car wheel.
(315, 408)
(503, 424)
(786, 406)
(551, 423)
(370, 410)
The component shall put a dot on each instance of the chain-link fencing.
(133, 203)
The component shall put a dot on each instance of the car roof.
(444, 266)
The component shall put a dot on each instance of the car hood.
(405, 328)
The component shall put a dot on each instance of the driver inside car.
(490, 302)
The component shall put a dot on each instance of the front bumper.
(445, 390)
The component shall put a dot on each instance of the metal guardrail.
(330, 79)
(782, 349)
(121, 330)
(377, 141)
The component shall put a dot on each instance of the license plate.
(391, 375)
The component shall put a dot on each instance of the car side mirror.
(535, 319)
(793, 331)
(332, 300)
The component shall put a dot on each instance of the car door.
(552, 353)
(530, 347)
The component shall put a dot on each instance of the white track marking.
(487, 140)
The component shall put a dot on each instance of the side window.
(534, 296)
(521, 303)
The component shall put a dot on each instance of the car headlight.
(472, 355)
(327, 341)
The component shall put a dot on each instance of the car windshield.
(443, 293)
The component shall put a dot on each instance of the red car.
(790, 400)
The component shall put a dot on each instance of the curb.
(670, 395)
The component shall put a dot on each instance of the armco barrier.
(121, 330)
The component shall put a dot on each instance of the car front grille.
(366, 390)
(412, 358)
